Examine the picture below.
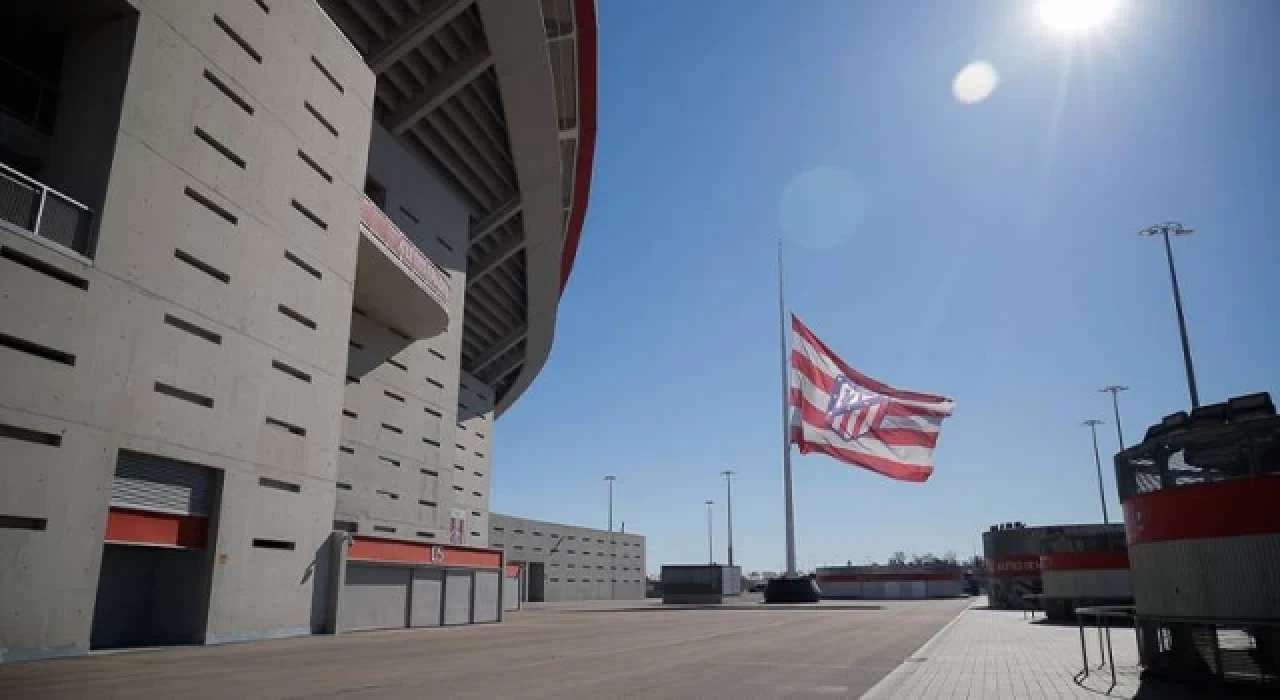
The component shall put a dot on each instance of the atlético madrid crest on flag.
(840, 412)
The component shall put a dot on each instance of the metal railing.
(432, 276)
(1102, 616)
(33, 207)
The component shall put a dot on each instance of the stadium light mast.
(728, 488)
(1176, 229)
(711, 552)
(613, 560)
(1115, 390)
(1093, 424)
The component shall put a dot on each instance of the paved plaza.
(636, 649)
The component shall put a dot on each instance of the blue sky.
(986, 252)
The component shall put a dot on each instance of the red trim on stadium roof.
(1234, 508)
(584, 18)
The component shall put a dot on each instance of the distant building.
(565, 562)
(892, 581)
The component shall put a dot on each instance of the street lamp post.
(728, 488)
(1165, 230)
(1115, 390)
(711, 552)
(1093, 424)
(613, 569)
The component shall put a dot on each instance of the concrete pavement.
(634, 650)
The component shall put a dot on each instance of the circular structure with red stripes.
(1201, 499)
(1084, 565)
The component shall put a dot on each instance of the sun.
(1076, 16)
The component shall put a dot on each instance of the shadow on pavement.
(1089, 624)
(1160, 689)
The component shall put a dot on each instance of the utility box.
(700, 584)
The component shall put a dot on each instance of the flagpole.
(786, 420)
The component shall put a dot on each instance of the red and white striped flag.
(843, 413)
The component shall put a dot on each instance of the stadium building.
(892, 582)
(1056, 567)
(269, 271)
(558, 562)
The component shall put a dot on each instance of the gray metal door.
(374, 597)
(427, 597)
(457, 597)
(487, 596)
(159, 483)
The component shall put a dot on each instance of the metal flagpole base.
(792, 589)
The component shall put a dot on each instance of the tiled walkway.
(994, 654)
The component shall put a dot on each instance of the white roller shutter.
(158, 483)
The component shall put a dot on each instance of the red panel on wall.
(130, 526)
(901, 576)
(373, 549)
(1084, 561)
(1014, 566)
(1223, 509)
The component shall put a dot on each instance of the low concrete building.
(564, 562)
(893, 582)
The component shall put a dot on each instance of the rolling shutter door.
(157, 483)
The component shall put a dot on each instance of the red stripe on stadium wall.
(903, 577)
(1084, 561)
(1232, 508)
(585, 28)
(418, 553)
(130, 526)
(1014, 566)
(879, 387)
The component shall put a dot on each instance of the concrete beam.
(496, 257)
(496, 350)
(433, 17)
(442, 87)
(502, 369)
(495, 218)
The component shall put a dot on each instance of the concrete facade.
(189, 291)
(564, 562)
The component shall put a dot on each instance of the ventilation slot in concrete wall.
(433, 411)
(479, 454)
(398, 365)
(310, 270)
(311, 216)
(43, 267)
(480, 435)
(385, 529)
(296, 316)
(193, 329)
(444, 244)
(388, 460)
(392, 395)
(273, 544)
(291, 371)
(388, 494)
(429, 472)
(220, 147)
(433, 443)
(347, 449)
(39, 437)
(201, 265)
(477, 494)
(354, 345)
(435, 352)
(393, 428)
(325, 72)
(211, 205)
(429, 504)
(359, 311)
(41, 351)
(459, 467)
(320, 118)
(188, 396)
(350, 414)
(409, 215)
(435, 383)
(344, 487)
(279, 485)
(479, 475)
(422, 533)
(18, 522)
(230, 94)
(315, 166)
(286, 426)
(222, 24)
(263, 4)
(458, 489)
(352, 380)
(399, 334)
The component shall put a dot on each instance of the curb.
(897, 676)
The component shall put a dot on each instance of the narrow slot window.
(183, 394)
(444, 244)
(296, 316)
(43, 267)
(291, 371)
(347, 449)
(309, 269)
(279, 485)
(395, 429)
(388, 460)
(274, 544)
(435, 352)
(398, 365)
(202, 266)
(384, 528)
(193, 329)
(409, 215)
(36, 349)
(315, 166)
(343, 487)
(220, 147)
(228, 92)
(435, 383)
(393, 396)
(240, 41)
(286, 426)
(211, 205)
(433, 412)
(350, 414)
(325, 72)
(311, 216)
(18, 522)
(320, 118)
(38, 437)
(399, 333)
